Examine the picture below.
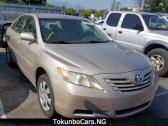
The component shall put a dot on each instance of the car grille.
(126, 85)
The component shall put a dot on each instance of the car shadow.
(14, 86)
(158, 108)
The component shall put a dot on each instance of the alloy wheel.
(158, 62)
(45, 96)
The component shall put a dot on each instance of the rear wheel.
(45, 95)
(9, 59)
(159, 58)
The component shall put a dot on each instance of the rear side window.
(131, 21)
(113, 19)
(19, 24)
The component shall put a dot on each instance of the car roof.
(58, 16)
(133, 12)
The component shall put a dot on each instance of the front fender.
(155, 44)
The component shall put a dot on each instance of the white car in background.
(99, 23)
(165, 15)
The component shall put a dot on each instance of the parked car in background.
(164, 15)
(6, 19)
(9, 12)
(99, 23)
(77, 70)
(146, 32)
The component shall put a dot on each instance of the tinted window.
(155, 22)
(30, 26)
(131, 21)
(113, 19)
(18, 26)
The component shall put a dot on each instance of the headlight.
(79, 79)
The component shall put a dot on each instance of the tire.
(9, 59)
(3, 44)
(44, 80)
(159, 57)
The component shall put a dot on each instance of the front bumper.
(76, 101)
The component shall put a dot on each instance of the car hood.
(97, 58)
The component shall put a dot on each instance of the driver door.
(129, 35)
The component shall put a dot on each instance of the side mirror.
(139, 27)
(27, 36)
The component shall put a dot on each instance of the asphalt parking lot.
(18, 98)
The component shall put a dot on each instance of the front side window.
(131, 21)
(19, 24)
(70, 31)
(30, 26)
(155, 22)
(113, 19)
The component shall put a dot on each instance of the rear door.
(111, 24)
(128, 34)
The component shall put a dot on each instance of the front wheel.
(159, 58)
(45, 95)
(9, 59)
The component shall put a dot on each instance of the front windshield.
(70, 31)
(155, 22)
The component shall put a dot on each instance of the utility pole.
(144, 5)
(117, 7)
(113, 5)
(65, 4)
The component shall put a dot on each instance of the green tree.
(157, 5)
(85, 13)
(50, 5)
(100, 13)
(125, 9)
(70, 12)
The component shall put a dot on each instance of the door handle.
(120, 32)
(104, 29)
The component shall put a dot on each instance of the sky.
(93, 4)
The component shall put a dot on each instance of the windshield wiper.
(98, 41)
